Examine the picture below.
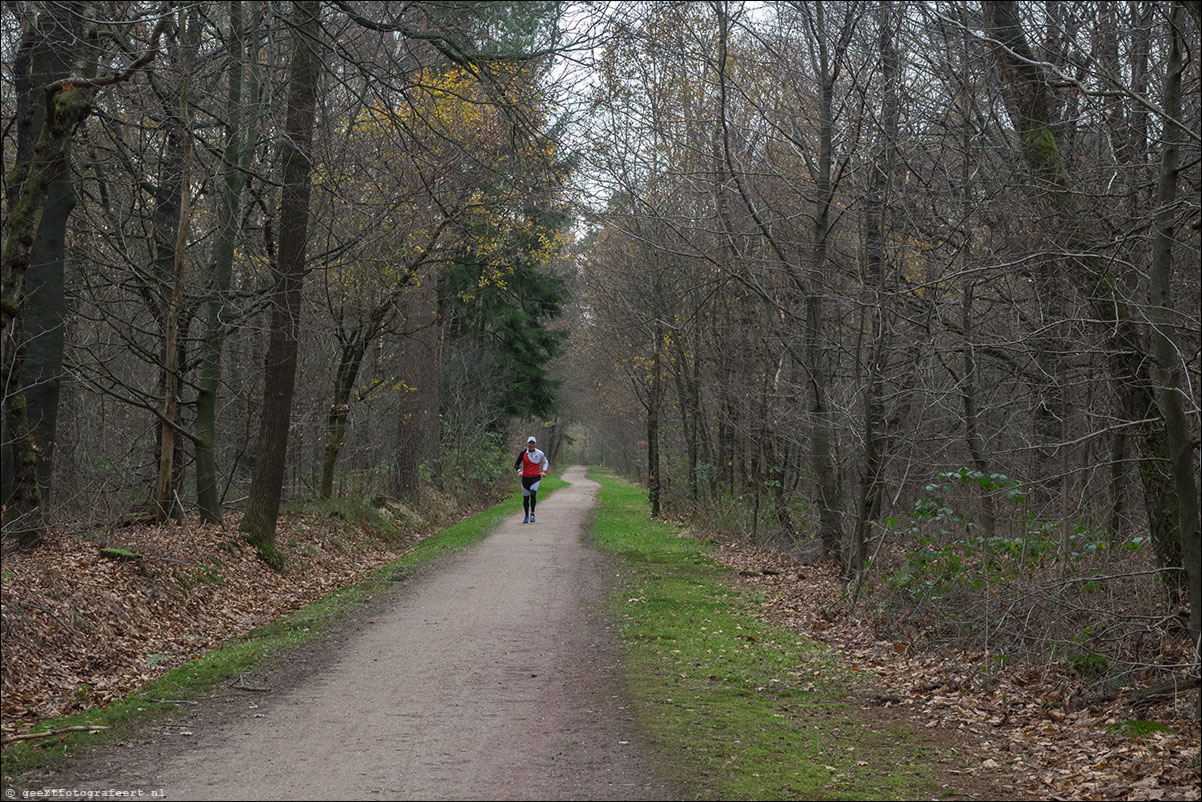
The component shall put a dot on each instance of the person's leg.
(534, 495)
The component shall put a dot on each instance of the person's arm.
(517, 463)
(546, 465)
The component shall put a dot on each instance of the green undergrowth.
(181, 685)
(737, 708)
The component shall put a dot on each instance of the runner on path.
(533, 466)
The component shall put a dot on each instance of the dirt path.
(490, 676)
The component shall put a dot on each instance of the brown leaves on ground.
(1034, 725)
(80, 629)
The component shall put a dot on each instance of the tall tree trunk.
(987, 518)
(972, 432)
(1168, 356)
(45, 299)
(1049, 350)
(239, 146)
(1025, 91)
(279, 371)
(66, 106)
(876, 225)
(1130, 133)
(825, 474)
(686, 401)
(699, 451)
(167, 496)
(1117, 514)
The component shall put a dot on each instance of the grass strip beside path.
(737, 708)
(183, 684)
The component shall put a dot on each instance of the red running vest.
(529, 467)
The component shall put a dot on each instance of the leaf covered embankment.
(1055, 728)
(81, 629)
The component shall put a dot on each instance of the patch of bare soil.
(1035, 729)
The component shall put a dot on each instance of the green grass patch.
(1137, 730)
(737, 708)
(126, 716)
(473, 530)
(120, 554)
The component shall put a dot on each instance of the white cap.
(531, 440)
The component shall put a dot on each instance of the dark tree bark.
(655, 397)
(972, 431)
(987, 518)
(875, 290)
(31, 301)
(822, 463)
(279, 370)
(173, 259)
(240, 144)
(45, 301)
(687, 398)
(1169, 360)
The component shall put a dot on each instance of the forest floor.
(80, 631)
(1036, 723)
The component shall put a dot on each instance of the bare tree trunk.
(686, 403)
(1130, 133)
(419, 425)
(279, 372)
(240, 143)
(167, 504)
(987, 518)
(45, 300)
(1169, 358)
(822, 463)
(1118, 487)
(874, 284)
(972, 434)
(66, 106)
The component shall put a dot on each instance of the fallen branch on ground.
(1143, 697)
(28, 736)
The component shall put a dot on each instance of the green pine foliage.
(508, 313)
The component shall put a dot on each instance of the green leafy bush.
(947, 550)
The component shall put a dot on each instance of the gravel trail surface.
(491, 675)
